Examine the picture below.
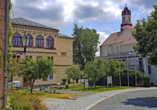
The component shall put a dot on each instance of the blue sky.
(102, 15)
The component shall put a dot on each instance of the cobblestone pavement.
(52, 103)
(86, 102)
(137, 100)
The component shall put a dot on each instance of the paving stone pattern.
(84, 102)
(137, 100)
(52, 103)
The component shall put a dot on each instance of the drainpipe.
(6, 53)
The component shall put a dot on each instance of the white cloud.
(59, 13)
(102, 37)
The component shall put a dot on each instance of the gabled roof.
(123, 37)
(25, 22)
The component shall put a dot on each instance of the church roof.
(123, 37)
(126, 11)
(25, 22)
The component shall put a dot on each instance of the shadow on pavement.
(150, 102)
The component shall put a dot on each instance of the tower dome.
(126, 11)
(126, 19)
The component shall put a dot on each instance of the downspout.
(6, 54)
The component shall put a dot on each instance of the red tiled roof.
(124, 37)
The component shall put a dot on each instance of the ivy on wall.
(10, 53)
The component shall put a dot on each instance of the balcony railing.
(138, 67)
(121, 53)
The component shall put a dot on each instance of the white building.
(119, 45)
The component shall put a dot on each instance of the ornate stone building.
(119, 46)
(44, 41)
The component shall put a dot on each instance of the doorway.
(26, 82)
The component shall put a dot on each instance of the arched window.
(16, 40)
(30, 41)
(39, 42)
(50, 42)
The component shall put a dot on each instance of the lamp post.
(119, 69)
(102, 80)
(127, 69)
(135, 71)
(25, 41)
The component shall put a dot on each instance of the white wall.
(154, 74)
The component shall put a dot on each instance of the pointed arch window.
(30, 41)
(129, 19)
(39, 42)
(123, 19)
(16, 40)
(50, 42)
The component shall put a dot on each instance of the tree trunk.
(95, 82)
(32, 86)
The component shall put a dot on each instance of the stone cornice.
(35, 30)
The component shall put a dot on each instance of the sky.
(102, 15)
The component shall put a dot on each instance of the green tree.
(34, 70)
(73, 72)
(94, 69)
(64, 80)
(14, 67)
(122, 66)
(112, 68)
(101, 66)
(84, 45)
(146, 37)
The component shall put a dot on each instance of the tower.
(126, 19)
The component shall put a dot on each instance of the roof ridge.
(26, 22)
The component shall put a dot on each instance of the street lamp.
(25, 41)
(102, 80)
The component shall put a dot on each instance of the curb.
(89, 107)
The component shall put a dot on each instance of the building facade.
(2, 45)
(119, 46)
(44, 41)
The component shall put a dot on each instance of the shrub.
(21, 100)
(146, 81)
(91, 83)
(64, 79)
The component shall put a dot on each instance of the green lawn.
(99, 88)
